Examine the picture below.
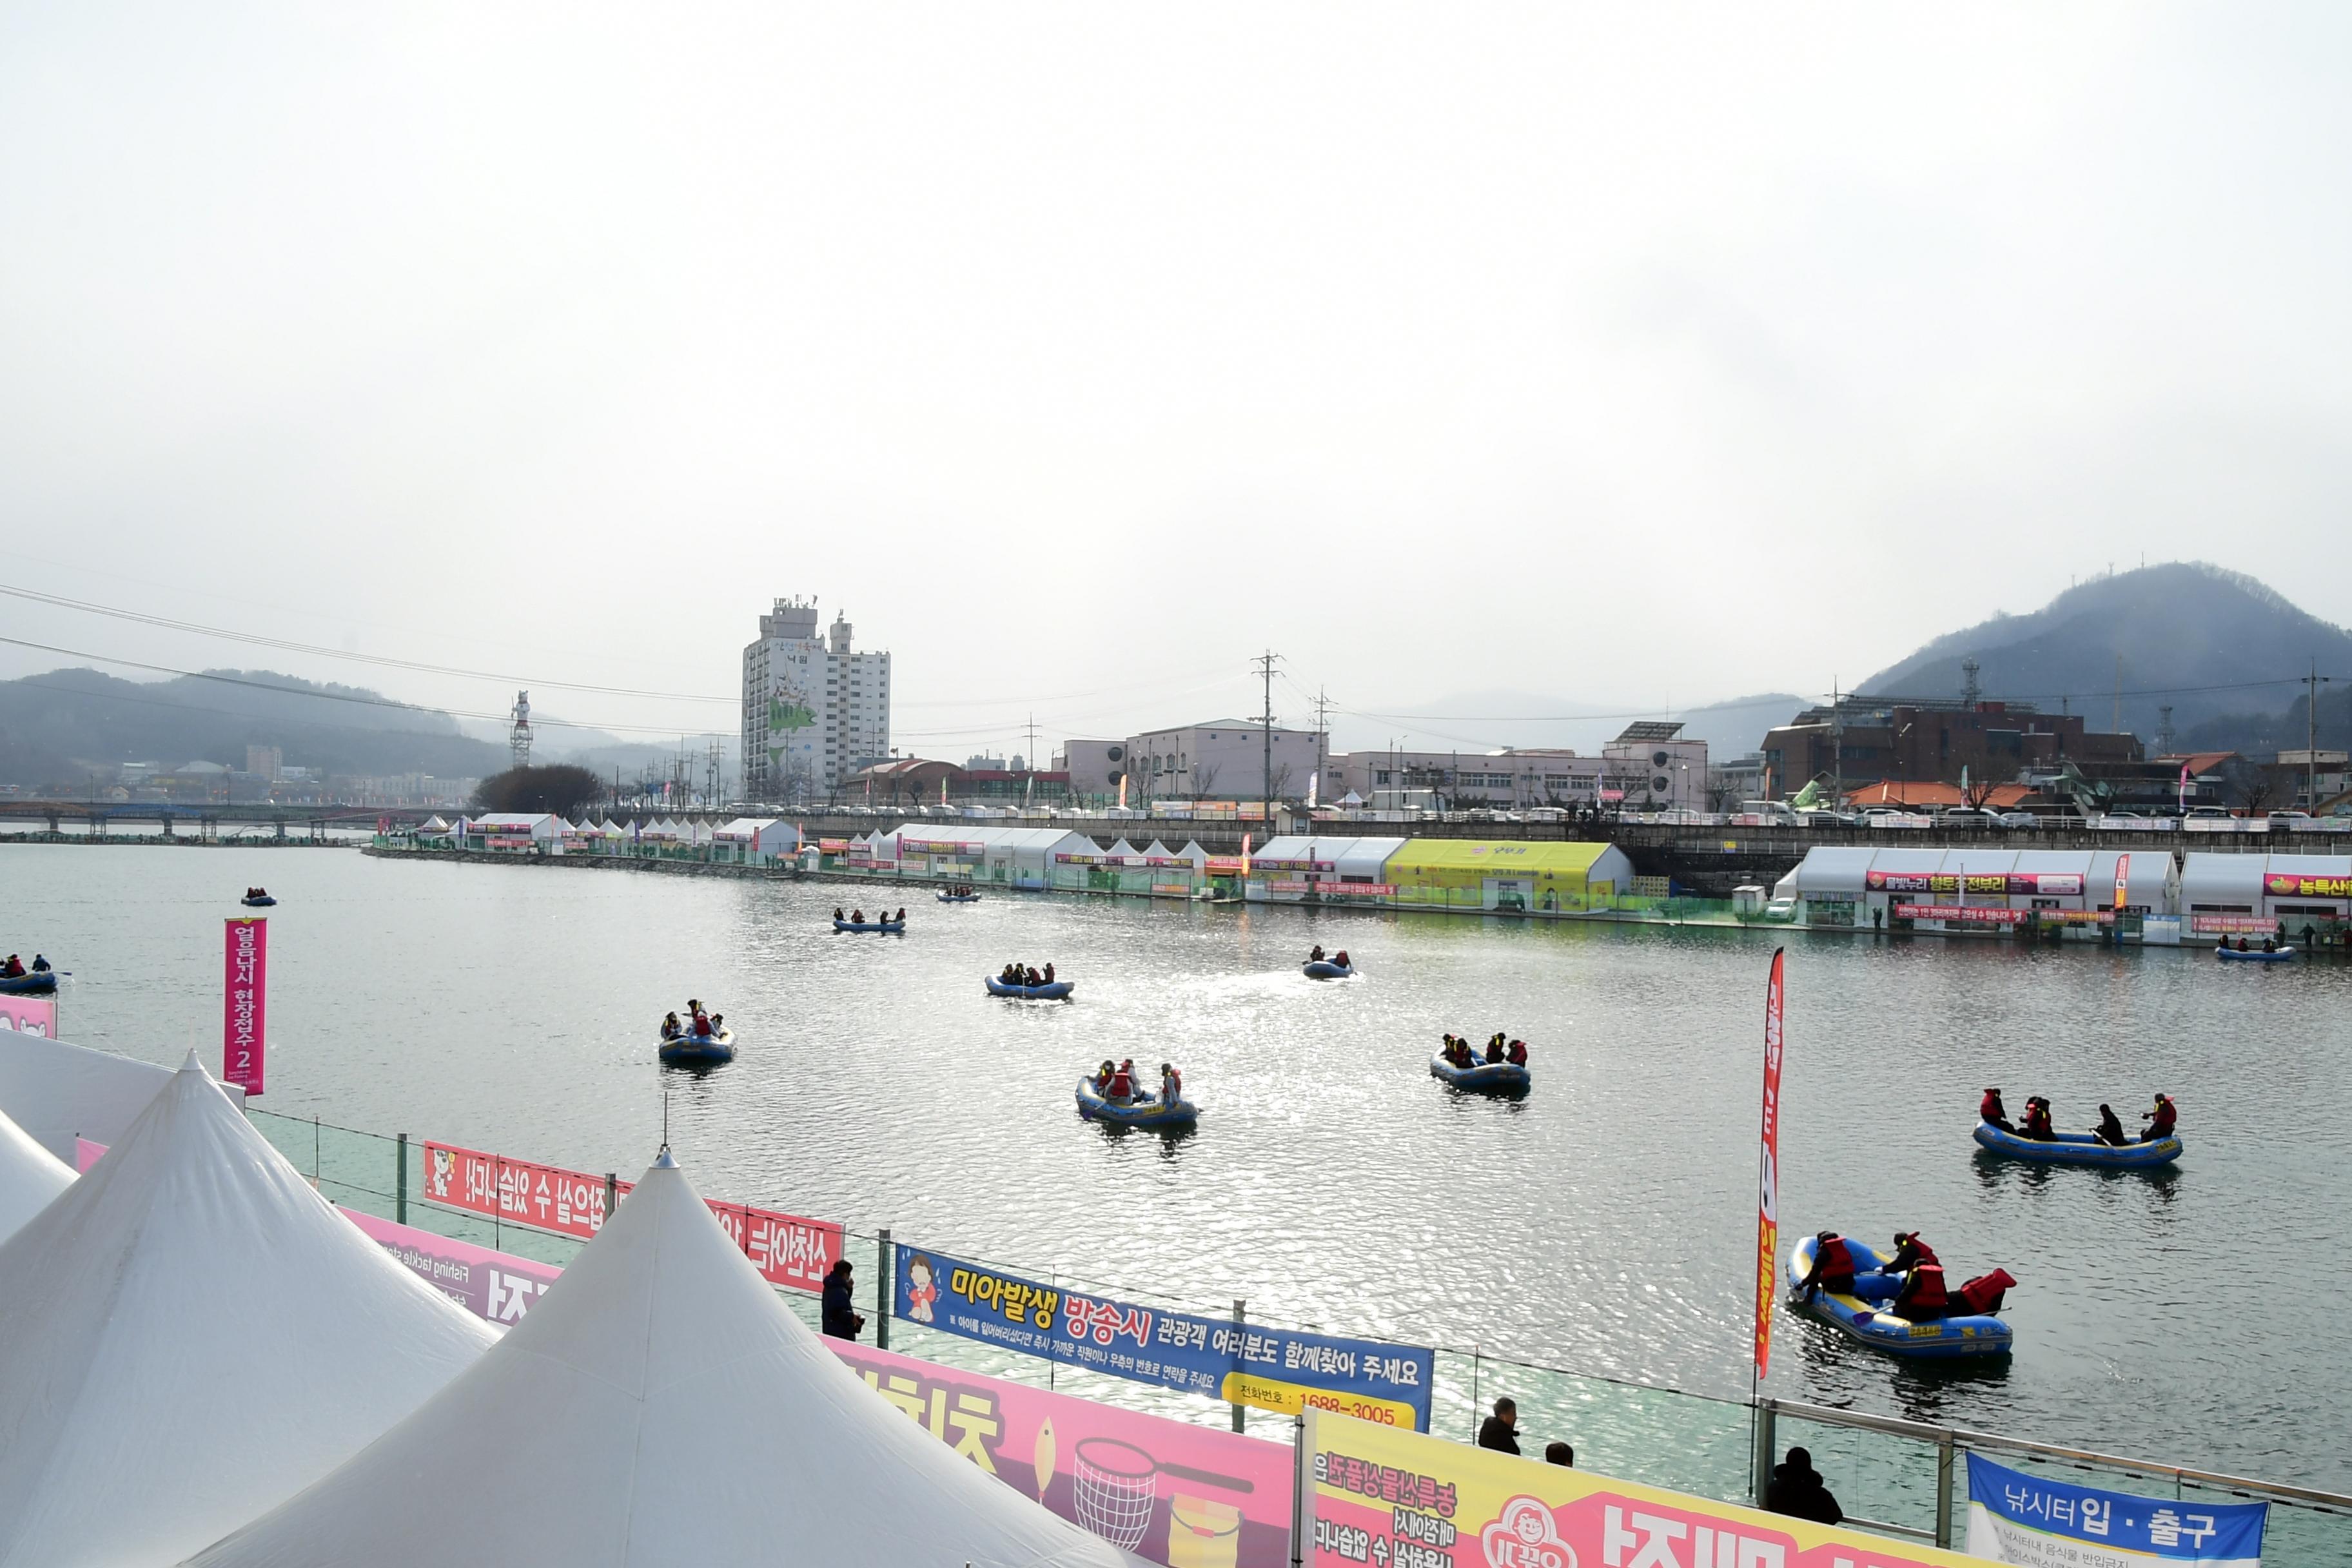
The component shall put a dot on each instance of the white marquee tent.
(194, 1336)
(56, 1091)
(30, 1177)
(659, 1406)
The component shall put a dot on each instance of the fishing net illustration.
(1114, 1486)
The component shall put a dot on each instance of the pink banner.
(1998, 884)
(1965, 914)
(29, 1015)
(787, 1249)
(244, 1003)
(1191, 1496)
(497, 1287)
(85, 1154)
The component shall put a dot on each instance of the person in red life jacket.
(2109, 1130)
(1049, 974)
(1922, 1299)
(14, 969)
(1342, 960)
(902, 914)
(2037, 1121)
(1495, 1047)
(1832, 1268)
(1519, 1053)
(2160, 1121)
(1122, 1084)
(1103, 1075)
(1983, 1295)
(1991, 1112)
(1910, 1252)
(857, 917)
(1171, 1084)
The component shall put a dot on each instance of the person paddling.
(1992, 1113)
(1832, 1268)
(2110, 1131)
(2037, 1121)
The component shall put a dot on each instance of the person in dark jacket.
(1797, 1491)
(1500, 1431)
(1559, 1454)
(841, 1319)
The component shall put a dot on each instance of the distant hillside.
(62, 727)
(2194, 637)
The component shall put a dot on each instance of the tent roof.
(1504, 858)
(201, 1335)
(697, 1413)
(526, 820)
(30, 1177)
(432, 825)
(57, 1091)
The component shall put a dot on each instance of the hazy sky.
(1632, 355)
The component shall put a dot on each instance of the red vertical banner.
(1768, 1174)
(2123, 881)
(243, 1002)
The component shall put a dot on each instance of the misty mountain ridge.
(2210, 643)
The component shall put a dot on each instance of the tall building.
(813, 711)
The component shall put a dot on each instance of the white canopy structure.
(759, 835)
(700, 1423)
(194, 1336)
(30, 1177)
(433, 824)
(56, 1091)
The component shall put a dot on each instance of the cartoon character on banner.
(444, 1174)
(922, 1289)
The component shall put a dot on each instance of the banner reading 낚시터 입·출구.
(2015, 1516)
(1392, 1498)
(1282, 1370)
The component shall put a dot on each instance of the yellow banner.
(1383, 1496)
(1290, 1398)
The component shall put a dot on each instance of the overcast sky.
(1634, 355)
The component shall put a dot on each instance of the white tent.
(56, 1091)
(30, 1177)
(702, 1423)
(1122, 852)
(432, 825)
(194, 1336)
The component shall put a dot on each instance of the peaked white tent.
(194, 1336)
(433, 824)
(699, 1420)
(30, 1177)
(57, 1091)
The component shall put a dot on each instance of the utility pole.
(1837, 746)
(2311, 685)
(1266, 669)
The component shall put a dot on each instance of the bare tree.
(1205, 779)
(1977, 793)
(2258, 791)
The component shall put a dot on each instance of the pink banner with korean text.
(29, 1015)
(243, 1002)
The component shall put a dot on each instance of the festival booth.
(1981, 890)
(754, 841)
(1509, 878)
(1294, 869)
(1003, 857)
(57, 1092)
(540, 831)
(195, 1335)
(30, 1177)
(950, 851)
(701, 1422)
(2225, 895)
(435, 828)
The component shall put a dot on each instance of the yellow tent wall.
(1456, 871)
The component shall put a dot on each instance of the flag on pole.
(2122, 882)
(1767, 1168)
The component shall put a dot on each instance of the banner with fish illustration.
(1282, 1370)
(1379, 1497)
(1190, 1497)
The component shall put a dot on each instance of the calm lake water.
(1605, 1223)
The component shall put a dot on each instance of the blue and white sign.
(2014, 1517)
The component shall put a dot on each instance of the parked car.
(1972, 817)
(2020, 819)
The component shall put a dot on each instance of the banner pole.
(1302, 1438)
(1241, 1310)
(400, 1181)
(885, 1288)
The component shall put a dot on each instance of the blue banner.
(2017, 1517)
(1243, 1364)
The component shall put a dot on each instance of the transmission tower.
(1970, 688)
(1266, 668)
(518, 739)
(2163, 731)
(710, 771)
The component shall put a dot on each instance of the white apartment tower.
(814, 712)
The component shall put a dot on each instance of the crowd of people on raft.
(256, 892)
(961, 890)
(1922, 1298)
(2270, 944)
(881, 917)
(1020, 973)
(701, 1025)
(1459, 1052)
(2036, 1124)
(1315, 955)
(14, 968)
(1120, 1084)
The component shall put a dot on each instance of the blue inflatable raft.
(1864, 1318)
(958, 897)
(1057, 991)
(2080, 1149)
(1148, 1111)
(1494, 1077)
(263, 902)
(895, 927)
(1322, 968)
(36, 982)
(2256, 955)
(698, 1050)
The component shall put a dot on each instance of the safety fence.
(1901, 1479)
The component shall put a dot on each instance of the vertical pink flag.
(1767, 1173)
(2122, 882)
(243, 1004)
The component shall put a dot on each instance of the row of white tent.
(755, 835)
(206, 1365)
